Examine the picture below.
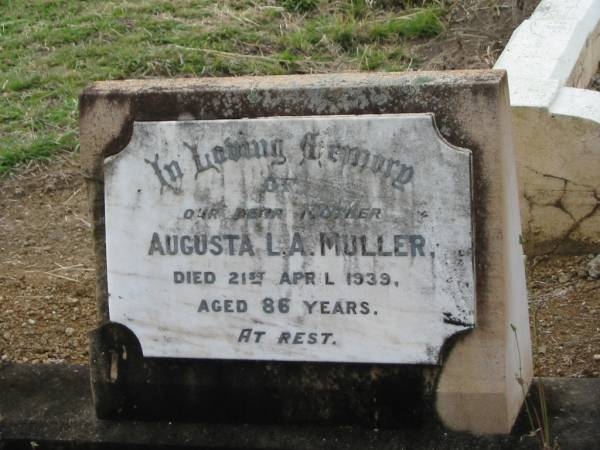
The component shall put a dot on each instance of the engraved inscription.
(341, 238)
(236, 150)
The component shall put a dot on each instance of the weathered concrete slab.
(475, 388)
(51, 407)
(550, 60)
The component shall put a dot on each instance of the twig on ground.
(231, 54)
(50, 274)
(81, 219)
(72, 195)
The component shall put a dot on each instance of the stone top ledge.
(109, 108)
(332, 80)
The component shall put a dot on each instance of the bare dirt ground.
(46, 263)
(47, 280)
(564, 305)
(476, 34)
(46, 270)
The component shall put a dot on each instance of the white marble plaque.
(325, 238)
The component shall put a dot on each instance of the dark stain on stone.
(216, 391)
(451, 320)
(87, 102)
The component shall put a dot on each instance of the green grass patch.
(423, 23)
(51, 49)
(300, 5)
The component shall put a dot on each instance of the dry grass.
(51, 50)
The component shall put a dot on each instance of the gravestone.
(307, 250)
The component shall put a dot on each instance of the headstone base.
(49, 406)
(126, 385)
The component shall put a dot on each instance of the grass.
(50, 50)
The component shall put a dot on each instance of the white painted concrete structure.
(550, 60)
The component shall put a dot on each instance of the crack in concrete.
(576, 225)
(559, 203)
